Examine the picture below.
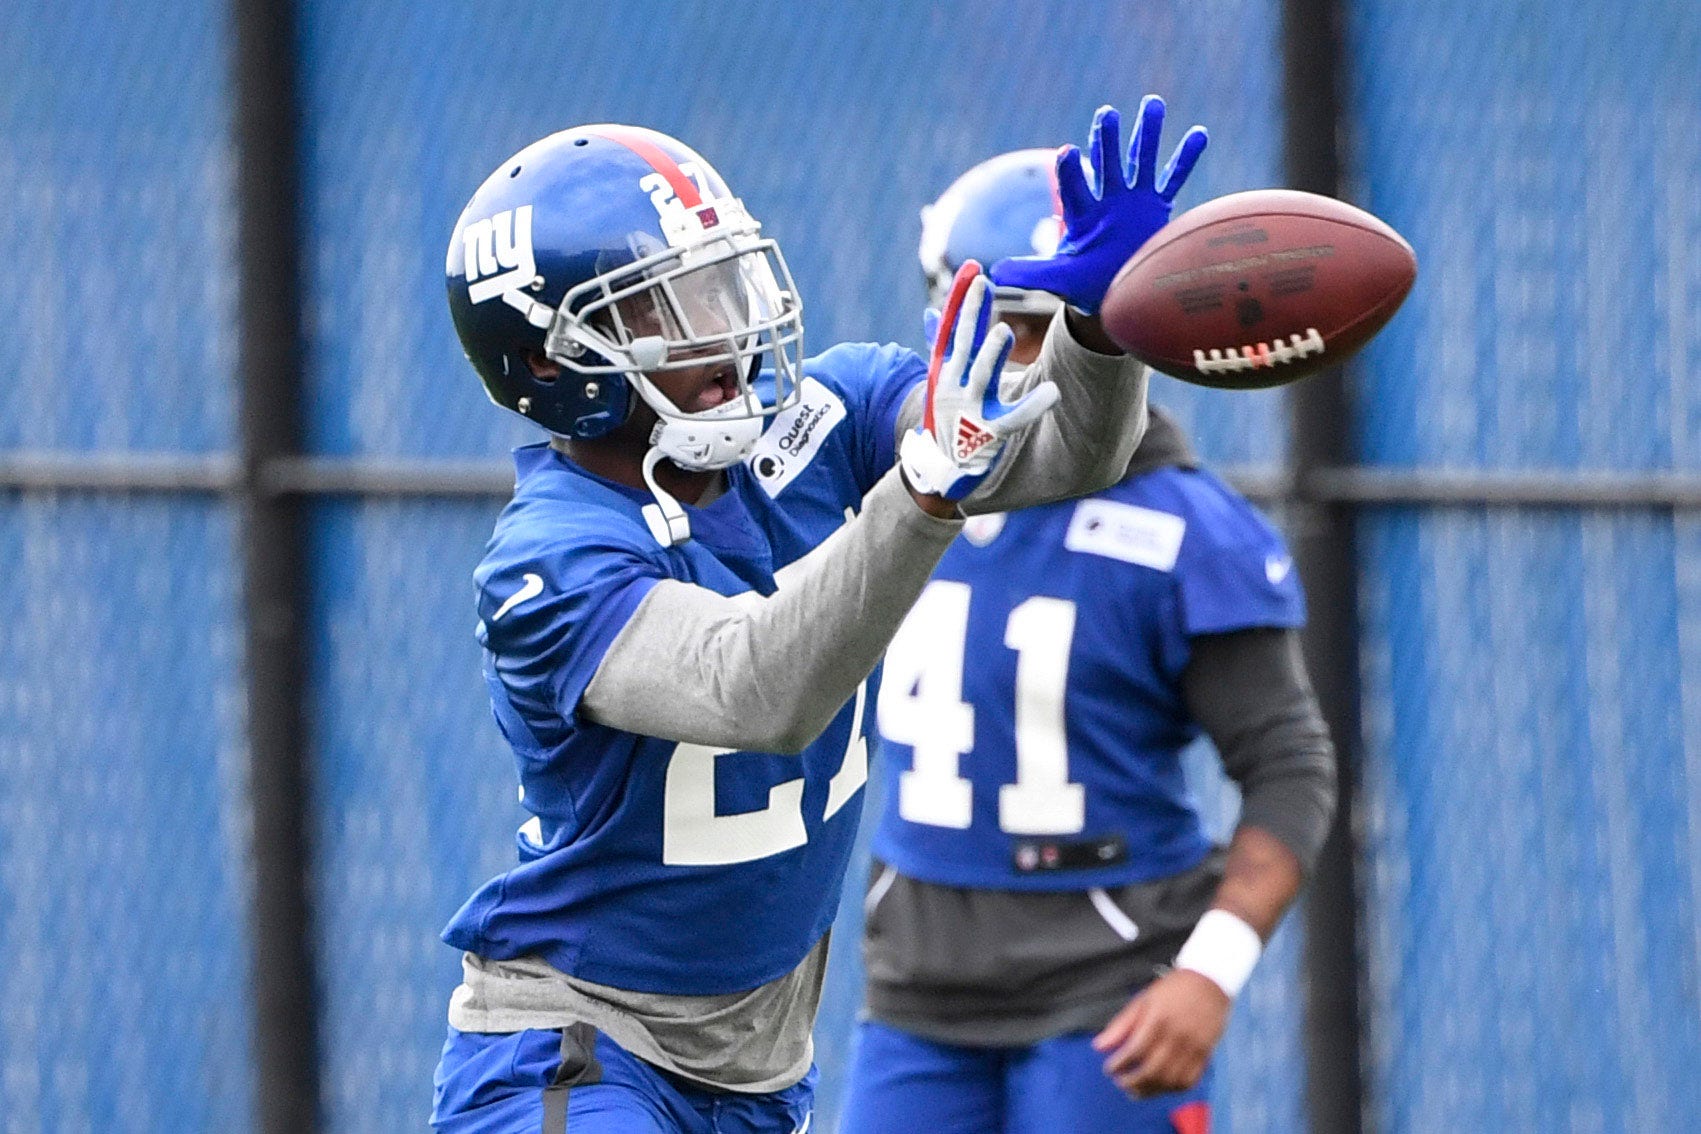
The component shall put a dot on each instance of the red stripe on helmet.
(683, 187)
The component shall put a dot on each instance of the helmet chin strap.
(698, 442)
(713, 439)
(666, 518)
(704, 442)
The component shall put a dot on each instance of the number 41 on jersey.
(921, 704)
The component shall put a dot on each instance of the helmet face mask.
(637, 261)
(714, 304)
(720, 301)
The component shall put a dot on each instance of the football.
(1258, 289)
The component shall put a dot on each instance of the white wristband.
(1223, 948)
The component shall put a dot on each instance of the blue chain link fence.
(123, 836)
(1531, 722)
(122, 826)
(1532, 818)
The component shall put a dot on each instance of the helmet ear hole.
(543, 368)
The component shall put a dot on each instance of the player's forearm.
(769, 673)
(1083, 444)
(1260, 879)
(1088, 330)
(1261, 876)
(1249, 691)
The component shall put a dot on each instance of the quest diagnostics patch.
(794, 436)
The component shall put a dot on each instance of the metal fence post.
(1321, 432)
(272, 530)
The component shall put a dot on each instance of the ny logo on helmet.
(503, 241)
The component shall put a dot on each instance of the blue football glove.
(964, 421)
(1106, 222)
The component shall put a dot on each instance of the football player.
(683, 604)
(1052, 943)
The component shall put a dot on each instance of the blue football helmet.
(1005, 206)
(618, 252)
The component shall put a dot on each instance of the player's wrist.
(933, 476)
(936, 506)
(1088, 331)
(1223, 949)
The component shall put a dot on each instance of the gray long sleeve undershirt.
(1250, 693)
(768, 674)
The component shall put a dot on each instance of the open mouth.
(719, 388)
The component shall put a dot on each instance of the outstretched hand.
(1107, 218)
(965, 422)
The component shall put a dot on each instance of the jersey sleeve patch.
(1145, 537)
(795, 436)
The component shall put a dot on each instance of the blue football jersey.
(1031, 719)
(648, 864)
